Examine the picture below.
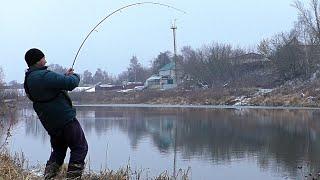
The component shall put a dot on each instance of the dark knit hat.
(33, 56)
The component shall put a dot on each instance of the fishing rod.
(124, 7)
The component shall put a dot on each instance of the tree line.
(135, 72)
(293, 54)
(296, 53)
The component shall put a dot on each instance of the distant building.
(112, 87)
(108, 87)
(165, 80)
(153, 82)
(84, 89)
(168, 70)
(132, 85)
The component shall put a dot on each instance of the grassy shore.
(294, 93)
(15, 167)
(244, 96)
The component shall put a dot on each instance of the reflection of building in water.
(161, 129)
(138, 124)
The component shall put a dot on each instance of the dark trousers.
(72, 137)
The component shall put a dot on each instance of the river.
(213, 143)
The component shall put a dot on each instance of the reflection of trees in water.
(8, 122)
(271, 137)
(277, 138)
(35, 129)
(4, 126)
(138, 123)
(32, 124)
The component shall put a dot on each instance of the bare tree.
(122, 77)
(210, 64)
(162, 59)
(99, 76)
(309, 18)
(136, 72)
(290, 60)
(264, 47)
(1, 86)
(87, 77)
(192, 64)
(5, 130)
(57, 68)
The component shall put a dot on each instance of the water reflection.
(277, 141)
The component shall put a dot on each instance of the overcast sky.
(59, 26)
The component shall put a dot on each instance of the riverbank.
(295, 93)
(287, 95)
(173, 97)
(15, 167)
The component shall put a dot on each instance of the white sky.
(58, 27)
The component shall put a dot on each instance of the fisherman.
(48, 92)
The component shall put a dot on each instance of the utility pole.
(174, 28)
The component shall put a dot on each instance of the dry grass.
(183, 97)
(15, 167)
(11, 167)
(297, 93)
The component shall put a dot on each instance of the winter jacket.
(48, 92)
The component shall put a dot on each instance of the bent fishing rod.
(119, 10)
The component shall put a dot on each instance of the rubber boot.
(75, 171)
(51, 170)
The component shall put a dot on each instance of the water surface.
(216, 143)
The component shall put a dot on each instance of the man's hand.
(69, 72)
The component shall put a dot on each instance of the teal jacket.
(48, 92)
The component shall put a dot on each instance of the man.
(48, 92)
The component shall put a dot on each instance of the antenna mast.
(174, 28)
